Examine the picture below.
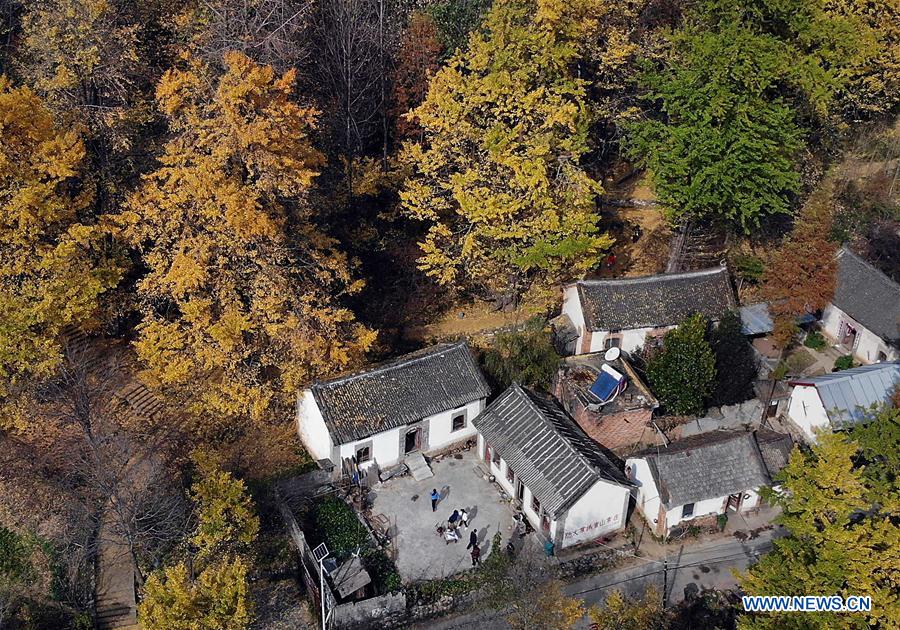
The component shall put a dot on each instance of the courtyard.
(403, 506)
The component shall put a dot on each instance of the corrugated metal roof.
(403, 391)
(650, 301)
(848, 395)
(756, 319)
(546, 449)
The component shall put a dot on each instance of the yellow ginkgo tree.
(242, 293)
(53, 264)
(498, 176)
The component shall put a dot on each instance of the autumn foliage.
(802, 275)
(418, 59)
(241, 300)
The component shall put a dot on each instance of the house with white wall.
(836, 401)
(569, 488)
(864, 315)
(624, 312)
(419, 403)
(694, 480)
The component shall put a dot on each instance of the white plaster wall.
(631, 340)
(806, 410)
(751, 502)
(571, 306)
(311, 427)
(646, 493)
(439, 425)
(385, 448)
(600, 510)
(868, 344)
(701, 508)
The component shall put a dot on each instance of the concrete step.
(418, 467)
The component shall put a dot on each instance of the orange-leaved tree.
(242, 296)
(801, 276)
(53, 263)
(418, 59)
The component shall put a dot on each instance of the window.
(612, 342)
(510, 473)
(363, 454)
(495, 457)
(687, 510)
(535, 505)
(458, 421)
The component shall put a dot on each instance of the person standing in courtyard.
(435, 497)
(476, 556)
(473, 539)
(464, 518)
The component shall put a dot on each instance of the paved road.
(708, 565)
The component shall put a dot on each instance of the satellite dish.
(612, 354)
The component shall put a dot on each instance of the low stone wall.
(385, 611)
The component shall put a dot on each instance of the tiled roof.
(775, 449)
(706, 466)
(652, 301)
(400, 392)
(756, 319)
(547, 450)
(867, 295)
(849, 394)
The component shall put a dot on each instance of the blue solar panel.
(604, 386)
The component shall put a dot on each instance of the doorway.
(734, 501)
(848, 338)
(413, 441)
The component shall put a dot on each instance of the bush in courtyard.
(526, 357)
(683, 374)
(338, 527)
(843, 363)
(815, 340)
(382, 571)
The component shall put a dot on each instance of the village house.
(837, 401)
(568, 487)
(624, 312)
(419, 403)
(864, 316)
(608, 400)
(694, 480)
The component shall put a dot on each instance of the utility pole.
(665, 593)
(320, 553)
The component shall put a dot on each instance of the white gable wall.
(571, 306)
(600, 510)
(312, 428)
(646, 495)
(867, 345)
(805, 409)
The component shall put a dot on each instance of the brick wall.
(613, 430)
(586, 342)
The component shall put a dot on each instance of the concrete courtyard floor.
(420, 553)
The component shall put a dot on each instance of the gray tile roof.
(546, 448)
(775, 449)
(756, 319)
(402, 391)
(652, 301)
(706, 466)
(867, 295)
(849, 394)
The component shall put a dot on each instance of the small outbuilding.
(696, 479)
(624, 312)
(568, 487)
(419, 403)
(864, 315)
(839, 400)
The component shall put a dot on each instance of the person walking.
(454, 519)
(476, 556)
(464, 518)
(435, 497)
(473, 539)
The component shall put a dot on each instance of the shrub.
(749, 267)
(815, 340)
(684, 373)
(526, 357)
(382, 571)
(338, 527)
(736, 365)
(843, 363)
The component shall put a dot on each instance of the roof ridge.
(395, 363)
(841, 375)
(660, 276)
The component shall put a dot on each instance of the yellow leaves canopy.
(52, 267)
(240, 300)
(497, 176)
